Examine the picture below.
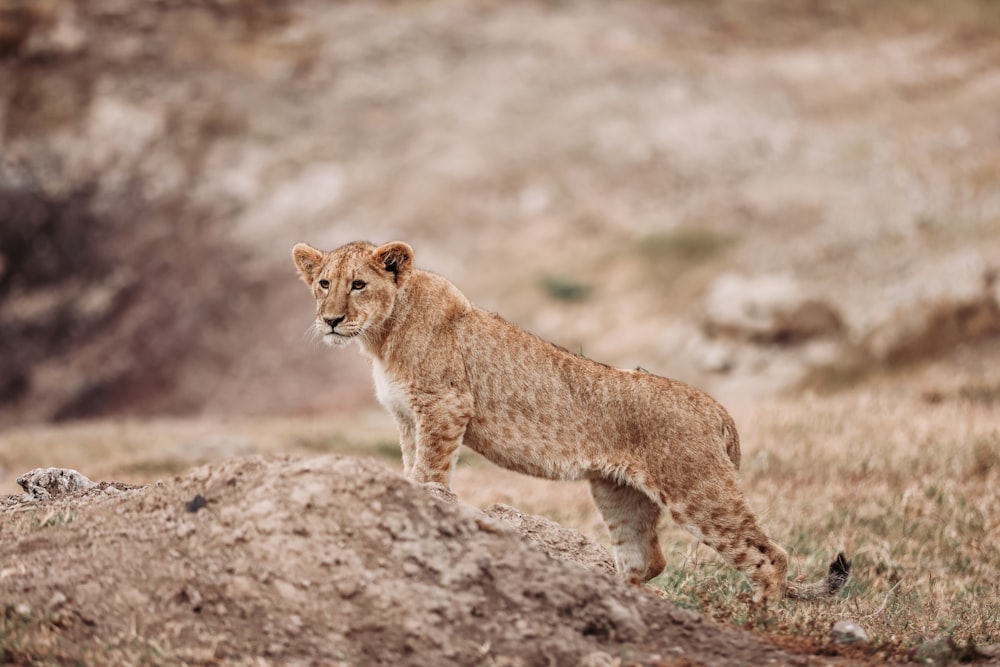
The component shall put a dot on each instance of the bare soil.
(327, 560)
(596, 172)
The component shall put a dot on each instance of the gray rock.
(46, 483)
(848, 632)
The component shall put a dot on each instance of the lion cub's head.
(355, 286)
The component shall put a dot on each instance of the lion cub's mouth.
(334, 337)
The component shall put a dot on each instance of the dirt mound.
(315, 561)
(553, 539)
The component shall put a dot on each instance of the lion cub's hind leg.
(631, 518)
(717, 514)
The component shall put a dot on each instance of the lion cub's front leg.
(440, 425)
(407, 429)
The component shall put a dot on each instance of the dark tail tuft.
(836, 576)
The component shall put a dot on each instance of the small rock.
(848, 632)
(57, 600)
(348, 587)
(46, 483)
(195, 504)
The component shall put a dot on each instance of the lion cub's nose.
(333, 321)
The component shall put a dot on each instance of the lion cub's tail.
(836, 576)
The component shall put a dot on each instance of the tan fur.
(453, 374)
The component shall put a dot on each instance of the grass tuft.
(911, 493)
(689, 245)
(565, 289)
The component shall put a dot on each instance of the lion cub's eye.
(325, 284)
(358, 284)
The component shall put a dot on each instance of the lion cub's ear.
(396, 258)
(308, 261)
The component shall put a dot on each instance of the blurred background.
(761, 197)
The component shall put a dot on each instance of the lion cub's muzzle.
(328, 327)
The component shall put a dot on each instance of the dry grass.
(908, 487)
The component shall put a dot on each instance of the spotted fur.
(453, 374)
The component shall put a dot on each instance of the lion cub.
(453, 374)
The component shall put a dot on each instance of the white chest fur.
(389, 392)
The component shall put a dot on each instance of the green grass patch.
(27, 639)
(322, 443)
(52, 518)
(387, 449)
(707, 587)
(925, 564)
(565, 289)
(686, 245)
(14, 649)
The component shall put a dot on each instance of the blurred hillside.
(745, 195)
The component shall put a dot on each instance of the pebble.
(848, 632)
(58, 600)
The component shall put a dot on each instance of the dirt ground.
(764, 198)
(324, 560)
